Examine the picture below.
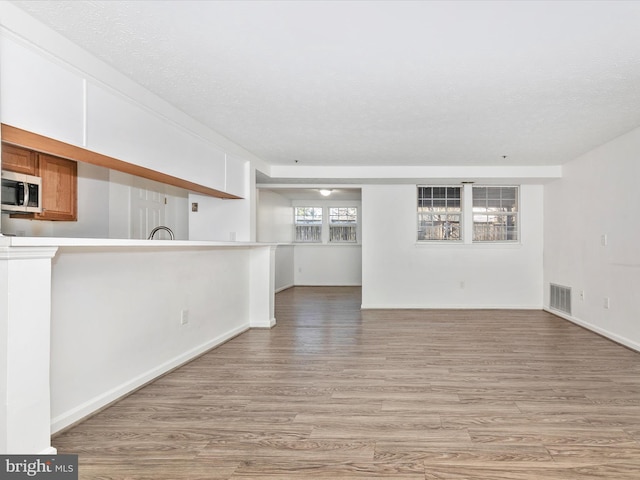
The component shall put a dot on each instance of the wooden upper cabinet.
(18, 159)
(59, 188)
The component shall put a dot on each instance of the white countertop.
(116, 242)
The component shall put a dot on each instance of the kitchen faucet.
(161, 227)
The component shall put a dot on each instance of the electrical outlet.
(604, 240)
(606, 303)
(184, 316)
(582, 295)
(462, 285)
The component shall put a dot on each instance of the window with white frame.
(439, 213)
(308, 224)
(495, 214)
(343, 224)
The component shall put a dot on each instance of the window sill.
(459, 244)
(334, 244)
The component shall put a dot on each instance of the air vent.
(560, 298)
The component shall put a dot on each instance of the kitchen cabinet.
(236, 176)
(122, 129)
(17, 159)
(59, 191)
(40, 94)
(59, 188)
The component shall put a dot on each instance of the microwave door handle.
(26, 194)
(23, 194)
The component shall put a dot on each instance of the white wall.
(399, 273)
(274, 225)
(598, 195)
(326, 265)
(284, 266)
(274, 217)
(116, 317)
(219, 219)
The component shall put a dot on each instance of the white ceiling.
(376, 83)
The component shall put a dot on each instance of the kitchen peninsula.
(87, 321)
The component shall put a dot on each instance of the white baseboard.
(386, 306)
(268, 324)
(278, 290)
(100, 401)
(49, 451)
(599, 330)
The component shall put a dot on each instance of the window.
(308, 224)
(439, 213)
(495, 214)
(343, 223)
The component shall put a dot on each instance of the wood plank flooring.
(335, 393)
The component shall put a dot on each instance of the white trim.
(600, 331)
(285, 287)
(89, 407)
(49, 451)
(271, 324)
(27, 253)
(383, 306)
(433, 175)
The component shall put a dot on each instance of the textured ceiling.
(379, 83)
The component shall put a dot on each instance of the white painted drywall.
(120, 128)
(274, 224)
(274, 217)
(399, 273)
(327, 265)
(116, 317)
(284, 266)
(39, 94)
(598, 196)
(25, 292)
(219, 219)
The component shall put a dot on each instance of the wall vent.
(560, 298)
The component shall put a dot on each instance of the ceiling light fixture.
(325, 193)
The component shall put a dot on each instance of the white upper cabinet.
(42, 95)
(237, 176)
(123, 129)
(38, 94)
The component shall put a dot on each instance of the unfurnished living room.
(321, 239)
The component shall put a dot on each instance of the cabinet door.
(38, 94)
(17, 159)
(59, 188)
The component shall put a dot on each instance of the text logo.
(50, 467)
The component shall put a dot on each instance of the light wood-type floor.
(335, 393)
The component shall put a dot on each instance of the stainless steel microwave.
(21, 193)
